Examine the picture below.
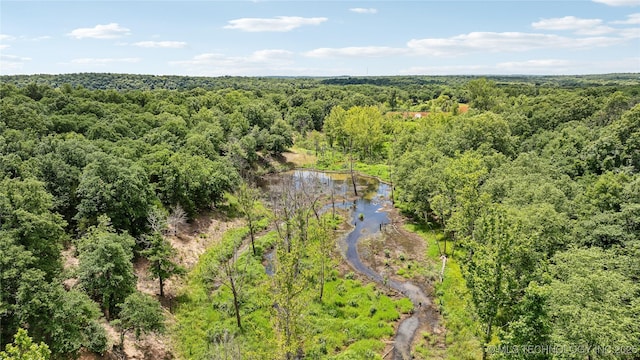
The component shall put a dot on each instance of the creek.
(368, 211)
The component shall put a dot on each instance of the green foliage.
(454, 301)
(67, 320)
(160, 254)
(559, 156)
(16, 266)
(195, 182)
(334, 127)
(105, 271)
(483, 94)
(280, 137)
(359, 130)
(25, 209)
(591, 302)
(141, 314)
(23, 348)
(247, 198)
(363, 128)
(115, 187)
(347, 304)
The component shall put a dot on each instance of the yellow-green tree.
(23, 348)
(363, 128)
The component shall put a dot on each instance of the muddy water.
(369, 210)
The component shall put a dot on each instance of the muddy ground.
(401, 256)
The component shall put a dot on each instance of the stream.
(368, 211)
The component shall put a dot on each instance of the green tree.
(363, 128)
(195, 182)
(532, 325)
(488, 273)
(118, 188)
(16, 266)
(301, 120)
(334, 127)
(444, 103)
(23, 348)
(66, 320)
(160, 253)
(460, 181)
(105, 270)
(591, 303)
(483, 94)
(480, 132)
(61, 180)
(290, 302)
(25, 210)
(280, 137)
(140, 314)
(605, 194)
(320, 239)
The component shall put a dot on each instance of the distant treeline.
(103, 81)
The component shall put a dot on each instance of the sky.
(320, 38)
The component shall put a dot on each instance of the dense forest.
(530, 185)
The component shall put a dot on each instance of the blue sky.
(320, 38)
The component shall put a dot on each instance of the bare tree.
(322, 239)
(296, 205)
(247, 198)
(225, 347)
(177, 217)
(227, 271)
(353, 177)
(157, 219)
(157, 249)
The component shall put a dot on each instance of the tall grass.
(454, 301)
(350, 323)
(335, 160)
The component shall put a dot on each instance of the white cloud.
(531, 67)
(40, 38)
(504, 42)
(3, 46)
(447, 70)
(365, 51)
(270, 55)
(268, 61)
(566, 23)
(596, 30)
(578, 25)
(5, 37)
(631, 64)
(108, 31)
(364, 10)
(104, 61)
(13, 58)
(161, 44)
(631, 33)
(632, 19)
(277, 24)
(480, 42)
(619, 2)
(12, 63)
(257, 57)
(542, 66)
